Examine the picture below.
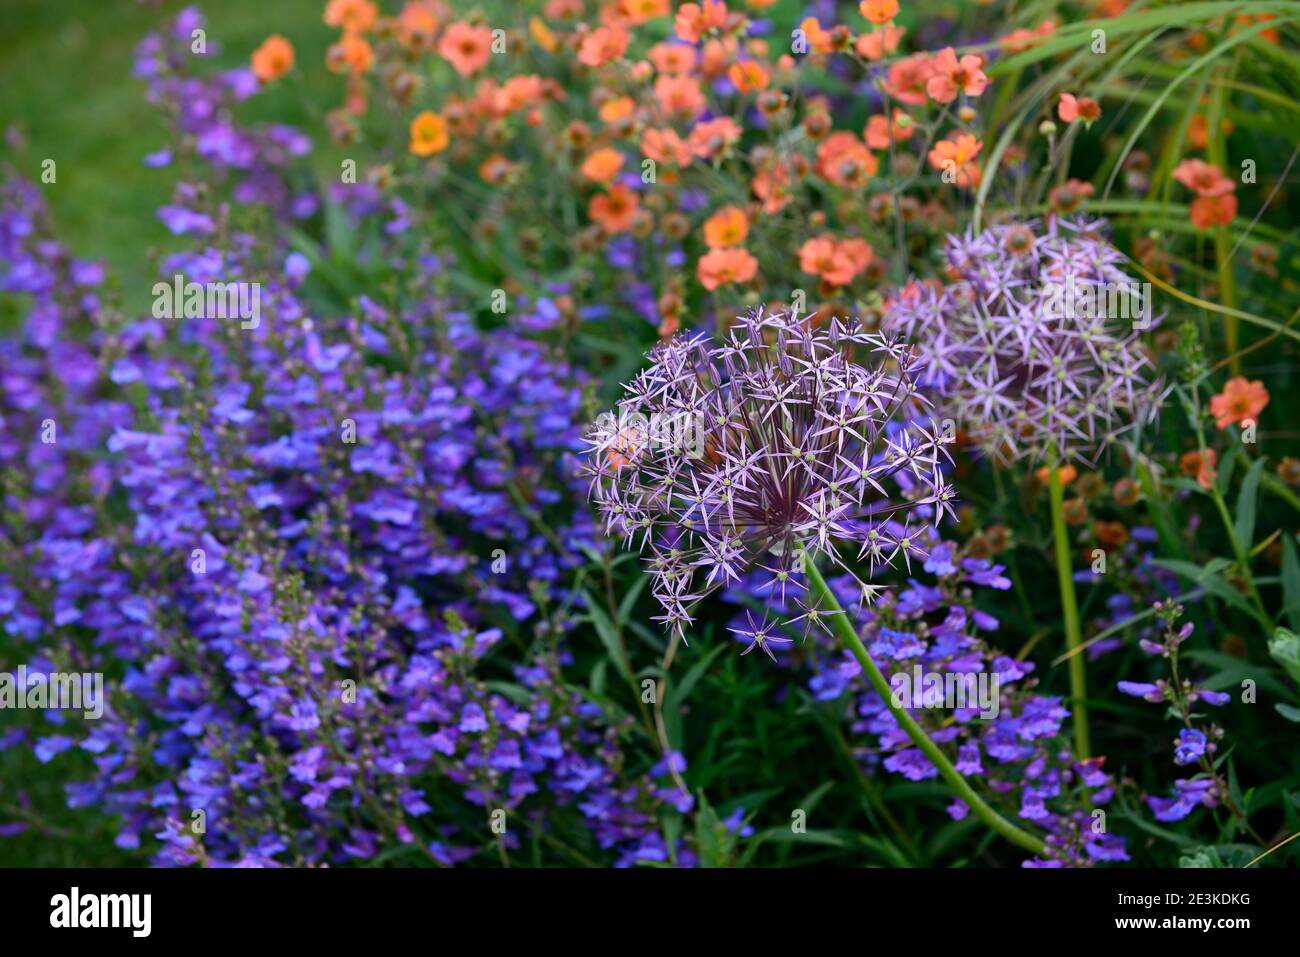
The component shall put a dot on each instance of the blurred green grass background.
(66, 85)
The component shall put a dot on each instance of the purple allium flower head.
(1020, 347)
(774, 446)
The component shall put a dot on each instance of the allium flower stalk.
(1036, 353)
(799, 449)
(773, 448)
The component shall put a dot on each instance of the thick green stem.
(847, 634)
(1070, 613)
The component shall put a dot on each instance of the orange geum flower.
(496, 169)
(908, 79)
(1198, 130)
(1070, 196)
(771, 184)
(1201, 466)
(1215, 203)
(273, 59)
(641, 11)
(417, 26)
(428, 134)
(727, 227)
(952, 76)
(1017, 41)
(351, 55)
(954, 157)
(618, 108)
(517, 93)
(673, 58)
(542, 35)
(614, 211)
(879, 12)
(466, 47)
(859, 252)
(1210, 211)
(748, 76)
(877, 133)
(603, 165)
(603, 45)
(663, 145)
(880, 43)
(1082, 108)
(720, 267)
(844, 160)
(1240, 400)
(679, 94)
(351, 16)
(1204, 178)
(819, 40)
(696, 19)
(822, 256)
(716, 56)
(711, 138)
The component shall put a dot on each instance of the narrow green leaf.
(607, 634)
(1291, 582)
(1246, 501)
(1290, 712)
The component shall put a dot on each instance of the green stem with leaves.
(1070, 614)
(848, 635)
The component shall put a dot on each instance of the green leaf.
(713, 842)
(1209, 579)
(679, 690)
(608, 636)
(1284, 646)
(1076, 35)
(598, 676)
(1290, 712)
(1291, 582)
(1219, 855)
(1246, 500)
(1227, 465)
(625, 606)
(1201, 857)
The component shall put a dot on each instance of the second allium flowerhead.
(1035, 348)
(780, 444)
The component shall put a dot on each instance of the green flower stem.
(848, 635)
(1070, 613)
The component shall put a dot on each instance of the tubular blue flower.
(1190, 746)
